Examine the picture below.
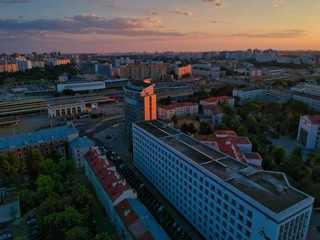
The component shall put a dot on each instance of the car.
(31, 220)
(108, 137)
(6, 236)
(4, 230)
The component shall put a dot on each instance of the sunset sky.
(157, 25)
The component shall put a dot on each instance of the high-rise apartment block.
(140, 103)
(222, 197)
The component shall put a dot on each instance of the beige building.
(57, 110)
(143, 71)
(179, 109)
(10, 67)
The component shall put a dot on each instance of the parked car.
(31, 220)
(6, 236)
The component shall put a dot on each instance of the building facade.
(58, 110)
(129, 216)
(309, 131)
(140, 103)
(9, 205)
(217, 101)
(220, 196)
(78, 148)
(43, 141)
(179, 109)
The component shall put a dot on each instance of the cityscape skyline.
(192, 25)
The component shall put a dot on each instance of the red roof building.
(217, 101)
(228, 142)
(130, 217)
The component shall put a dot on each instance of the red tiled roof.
(132, 222)
(314, 119)
(217, 99)
(214, 108)
(177, 105)
(113, 183)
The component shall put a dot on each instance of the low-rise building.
(57, 110)
(215, 112)
(43, 141)
(309, 131)
(130, 218)
(228, 142)
(179, 109)
(217, 101)
(78, 148)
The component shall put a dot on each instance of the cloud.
(288, 33)
(279, 4)
(15, 1)
(181, 12)
(220, 21)
(89, 24)
(217, 3)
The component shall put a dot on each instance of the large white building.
(309, 131)
(222, 197)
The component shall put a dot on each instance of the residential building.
(217, 101)
(312, 89)
(9, 205)
(129, 216)
(140, 103)
(10, 67)
(179, 109)
(182, 72)
(143, 71)
(228, 142)
(309, 131)
(43, 141)
(311, 100)
(78, 148)
(221, 197)
(215, 112)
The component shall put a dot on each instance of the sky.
(87, 26)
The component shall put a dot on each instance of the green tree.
(104, 236)
(174, 119)
(205, 128)
(184, 128)
(192, 128)
(78, 233)
(68, 92)
(278, 154)
(33, 161)
(315, 175)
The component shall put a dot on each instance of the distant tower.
(140, 103)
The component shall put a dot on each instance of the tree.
(184, 128)
(315, 175)
(55, 155)
(33, 160)
(278, 154)
(104, 236)
(192, 128)
(68, 92)
(78, 233)
(56, 225)
(205, 128)
(174, 119)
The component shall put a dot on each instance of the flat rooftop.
(271, 189)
